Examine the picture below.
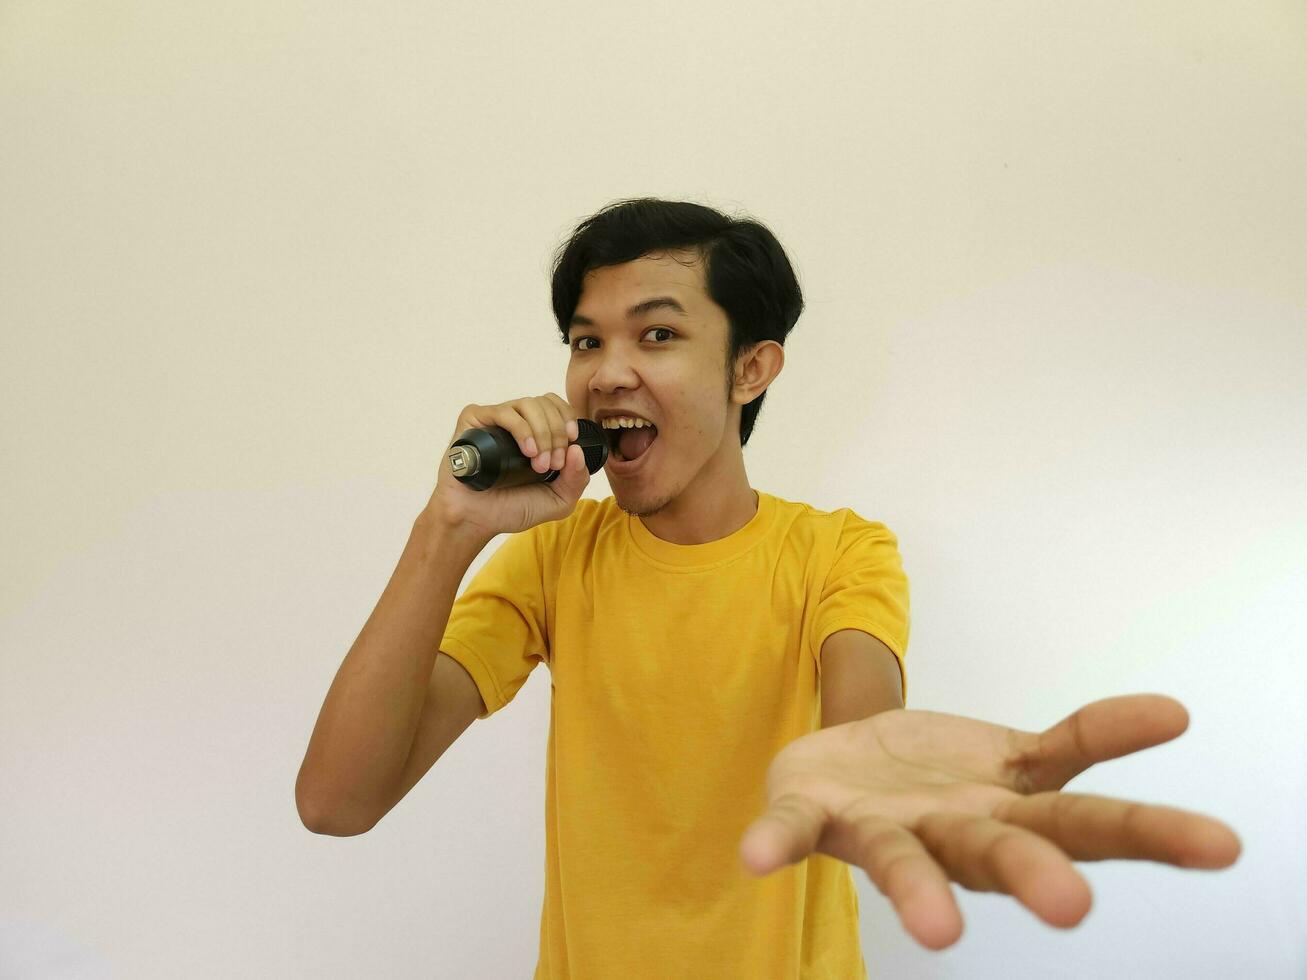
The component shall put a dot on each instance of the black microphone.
(488, 458)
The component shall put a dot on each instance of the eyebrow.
(639, 309)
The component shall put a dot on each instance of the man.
(727, 732)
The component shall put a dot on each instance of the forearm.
(366, 727)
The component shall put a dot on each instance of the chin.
(639, 502)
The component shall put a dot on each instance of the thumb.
(574, 477)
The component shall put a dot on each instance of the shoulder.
(843, 524)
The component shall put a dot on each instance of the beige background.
(254, 258)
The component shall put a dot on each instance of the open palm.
(919, 798)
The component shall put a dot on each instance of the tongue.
(633, 442)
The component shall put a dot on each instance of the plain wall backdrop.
(255, 257)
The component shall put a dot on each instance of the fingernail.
(531, 449)
(573, 429)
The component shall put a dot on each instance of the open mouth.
(638, 442)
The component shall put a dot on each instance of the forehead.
(606, 292)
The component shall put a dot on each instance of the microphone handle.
(488, 458)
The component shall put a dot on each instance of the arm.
(365, 732)
(860, 677)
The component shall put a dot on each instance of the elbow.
(326, 820)
(329, 830)
(318, 822)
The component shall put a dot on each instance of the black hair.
(746, 272)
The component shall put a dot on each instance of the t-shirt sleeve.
(497, 628)
(866, 589)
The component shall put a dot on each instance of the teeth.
(624, 422)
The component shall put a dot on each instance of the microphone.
(488, 458)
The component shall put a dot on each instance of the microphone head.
(593, 442)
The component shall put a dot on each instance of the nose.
(614, 373)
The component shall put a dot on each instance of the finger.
(987, 855)
(569, 416)
(1106, 729)
(899, 865)
(785, 834)
(505, 415)
(1095, 828)
(557, 430)
(574, 477)
(532, 409)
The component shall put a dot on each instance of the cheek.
(574, 391)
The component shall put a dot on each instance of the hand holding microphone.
(524, 450)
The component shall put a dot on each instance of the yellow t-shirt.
(678, 672)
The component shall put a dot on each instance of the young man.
(727, 734)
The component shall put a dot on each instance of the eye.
(650, 330)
